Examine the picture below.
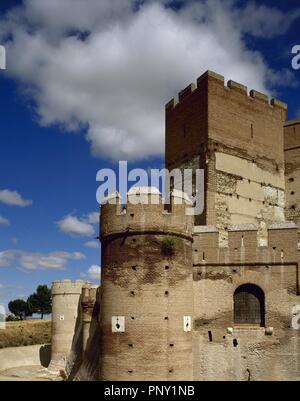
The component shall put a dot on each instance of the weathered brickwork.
(223, 349)
(239, 140)
(66, 318)
(292, 171)
(216, 297)
(151, 287)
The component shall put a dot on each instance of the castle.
(215, 297)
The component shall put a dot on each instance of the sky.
(85, 86)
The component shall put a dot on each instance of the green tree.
(40, 302)
(12, 318)
(19, 308)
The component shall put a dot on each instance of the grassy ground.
(29, 332)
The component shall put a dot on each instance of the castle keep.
(238, 140)
(215, 297)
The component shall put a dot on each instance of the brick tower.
(238, 140)
(147, 289)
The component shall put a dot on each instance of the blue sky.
(86, 88)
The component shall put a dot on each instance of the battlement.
(292, 139)
(232, 86)
(146, 212)
(244, 245)
(67, 287)
(89, 295)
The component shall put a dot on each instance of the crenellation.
(210, 75)
(283, 242)
(186, 92)
(235, 86)
(172, 104)
(67, 287)
(279, 104)
(259, 96)
(244, 244)
(213, 297)
(89, 295)
(145, 211)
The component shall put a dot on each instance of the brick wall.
(211, 121)
(292, 170)
(223, 350)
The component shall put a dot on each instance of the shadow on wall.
(89, 369)
(45, 355)
(75, 357)
(85, 367)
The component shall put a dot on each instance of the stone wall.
(32, 355)
(223, 350)
(238, 140)
(147, 290)
(66, 321)
(167, 293)
(292, 171)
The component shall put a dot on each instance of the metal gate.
(249, 305)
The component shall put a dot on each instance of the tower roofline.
(231, 85)
(292, 122)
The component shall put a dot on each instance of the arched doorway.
(249, 305)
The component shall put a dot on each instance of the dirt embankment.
(29, 332)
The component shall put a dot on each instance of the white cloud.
(6, 257)
(79, 226)
(92, 244)
(94, 272)
(93, 218)
(38, 261)
(13, 198)
(4, 222)
(73, 226)
(113, 77)
(5, 287)
(262, 21)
